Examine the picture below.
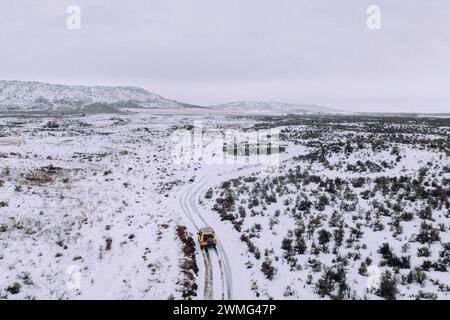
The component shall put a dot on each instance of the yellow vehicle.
(207, 238)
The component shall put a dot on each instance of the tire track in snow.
(188, 205)
(223, 261)
(207, 292)
(222, 275)
(209, 279)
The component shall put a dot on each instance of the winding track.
(213, 260)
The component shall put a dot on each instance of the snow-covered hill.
(23, 96)
(273, 108)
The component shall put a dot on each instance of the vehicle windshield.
(206, 237)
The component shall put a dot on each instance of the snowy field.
(96, 207)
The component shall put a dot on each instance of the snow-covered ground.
(97, 207)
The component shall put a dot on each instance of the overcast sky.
(215, 51)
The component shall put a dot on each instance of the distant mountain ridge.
(278, 108)
(26, 96)
(39, 97)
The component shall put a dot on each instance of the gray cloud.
(211, 51)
